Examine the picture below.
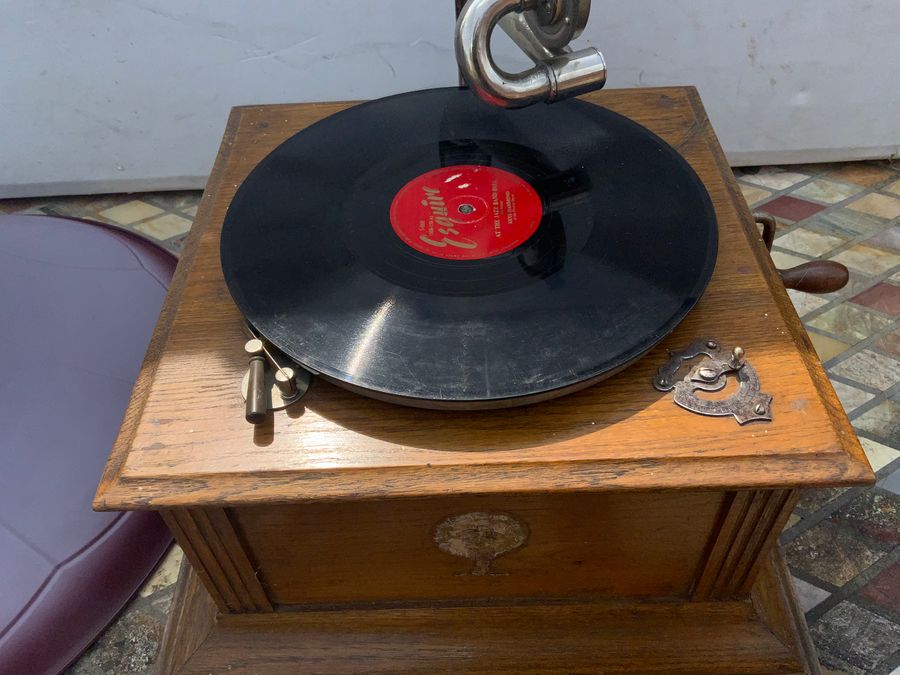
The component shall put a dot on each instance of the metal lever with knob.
(269, 383)
(257, 403)
(542, 29)
(816, 276)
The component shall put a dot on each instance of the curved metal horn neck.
(556, 74)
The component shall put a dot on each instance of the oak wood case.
(185, 442)
(563, 636)
(637, 512)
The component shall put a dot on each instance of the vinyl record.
(432, 250)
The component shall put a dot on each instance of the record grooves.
(433, 250)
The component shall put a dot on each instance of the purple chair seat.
(78, 302)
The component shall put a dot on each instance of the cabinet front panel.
(593, 545)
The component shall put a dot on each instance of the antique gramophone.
(375, 522)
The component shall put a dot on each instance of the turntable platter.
(433, 250)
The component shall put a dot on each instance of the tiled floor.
(162, 216)
(843, 546)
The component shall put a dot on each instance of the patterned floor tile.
(842, 222)
(805, 303)
(19, 205)
(808, 242)
(862, 638)
(875, 516)
(817, 169)
(164, 227)
(870, 368)
(130, 212)
(831, 553)
(812, 500)
(875, 204)
(791, 208)
(866, 174)
(176, 201)
(90, 209)
(129, 645)
(891, 482)
(893, 187)
(884, 590)
(35, 211)
(828, 191)
(867, 259)
(889, 239)
(879, 455)
(883, 421)
(785, 261)
(830, 668)
(754, 195)
(166, 572)
(857, 283)
(72, 206)
(882, 297)
(827, 348)
(808, 595)
(851, 397)
(850, 322)
(774, 178)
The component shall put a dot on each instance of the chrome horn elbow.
(557, 72)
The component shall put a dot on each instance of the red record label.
(466, 212)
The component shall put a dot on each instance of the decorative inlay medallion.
(481, 537)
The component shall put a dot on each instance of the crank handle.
(816, 276)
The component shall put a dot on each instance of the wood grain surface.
(604, 545)
(193, 618)
(212, 546)
(748, 526)
(550, 637)
(184, 441)
(775, 601)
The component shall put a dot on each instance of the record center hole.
(466, 208)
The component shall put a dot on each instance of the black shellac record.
(432, 250)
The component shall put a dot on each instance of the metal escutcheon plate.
(711, 374)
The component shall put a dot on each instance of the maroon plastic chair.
(78, 302)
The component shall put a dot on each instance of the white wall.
(99, 95)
